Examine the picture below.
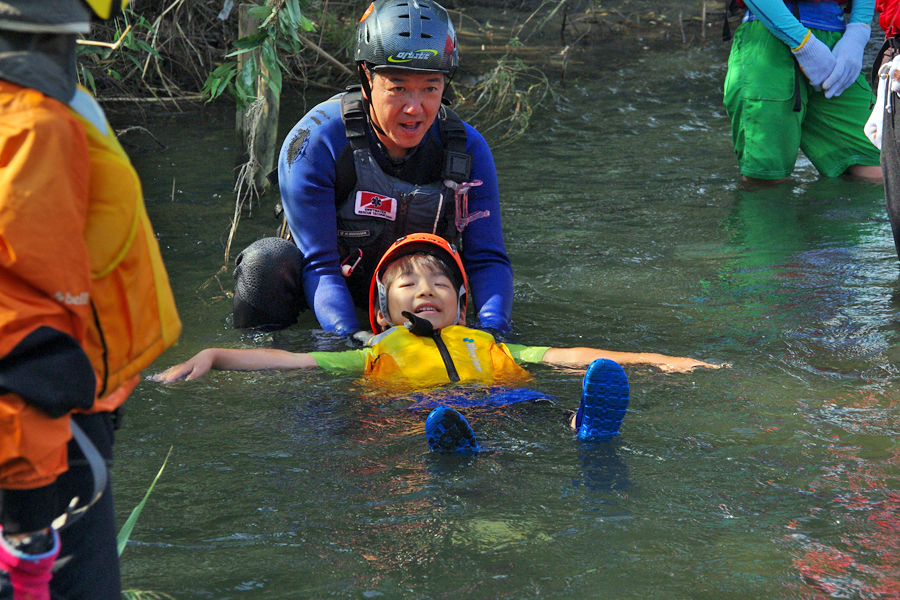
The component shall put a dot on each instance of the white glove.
(815, 60)
(875, 125)
(359, 338)
(848, 56)
(891, 70)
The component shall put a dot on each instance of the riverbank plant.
(191, 49)
(125, 533)
(502, 102)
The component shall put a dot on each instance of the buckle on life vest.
(456, 165)
(461, 200)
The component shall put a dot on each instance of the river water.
(776, 478)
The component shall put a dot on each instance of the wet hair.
(405, 265)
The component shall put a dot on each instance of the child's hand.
(192, 368)
(678, 364)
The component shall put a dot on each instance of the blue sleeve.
(778, 19)
(306, 176)
(862, 11)
(487, 265)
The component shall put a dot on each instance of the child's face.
(426, 294)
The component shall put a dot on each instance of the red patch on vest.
(370, 204)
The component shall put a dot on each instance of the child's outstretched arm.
(581, 357)
(225, 359)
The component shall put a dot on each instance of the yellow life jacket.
(400, 356)
(134, 314)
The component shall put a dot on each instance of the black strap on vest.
(798, 104)
(423, 328)
(353, 113)
(457, 162)
(731, 8)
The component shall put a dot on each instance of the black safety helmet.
(407, 34)
(56, 16)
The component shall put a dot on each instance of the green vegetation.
(502, 103)
(125, 533)
(278, 34)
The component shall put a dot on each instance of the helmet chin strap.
(367, 95)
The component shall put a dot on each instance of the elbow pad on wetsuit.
(49, 370)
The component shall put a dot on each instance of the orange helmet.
(414, 243)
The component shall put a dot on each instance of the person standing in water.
(794, 82)
(882, 127)
(85, 305)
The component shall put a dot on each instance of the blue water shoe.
(604, 401)
(448, 432)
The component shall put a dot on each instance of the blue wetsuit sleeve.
(306, 176)
(487, 265)
(778, 19)
(862, 11)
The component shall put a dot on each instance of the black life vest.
(381, 208)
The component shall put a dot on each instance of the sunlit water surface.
(627, 230)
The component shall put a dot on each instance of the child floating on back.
(420, 282)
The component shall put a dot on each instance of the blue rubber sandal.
(604, 401)
(448, 432)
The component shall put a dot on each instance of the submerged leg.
(268, 289)
(448, 432)
(604, 401)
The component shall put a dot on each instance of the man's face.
(404, 105)
(426, 294)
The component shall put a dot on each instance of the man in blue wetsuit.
(368, 166)
(794, 82)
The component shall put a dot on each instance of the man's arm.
(778, 19)
(484, 253)
(306, 175)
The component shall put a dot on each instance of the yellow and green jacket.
(398, 357)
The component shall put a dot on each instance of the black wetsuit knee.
(268, 290)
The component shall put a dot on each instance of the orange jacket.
(78, 255)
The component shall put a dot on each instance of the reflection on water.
(627, 230)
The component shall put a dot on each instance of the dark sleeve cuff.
(22, 511)
(50, 370)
